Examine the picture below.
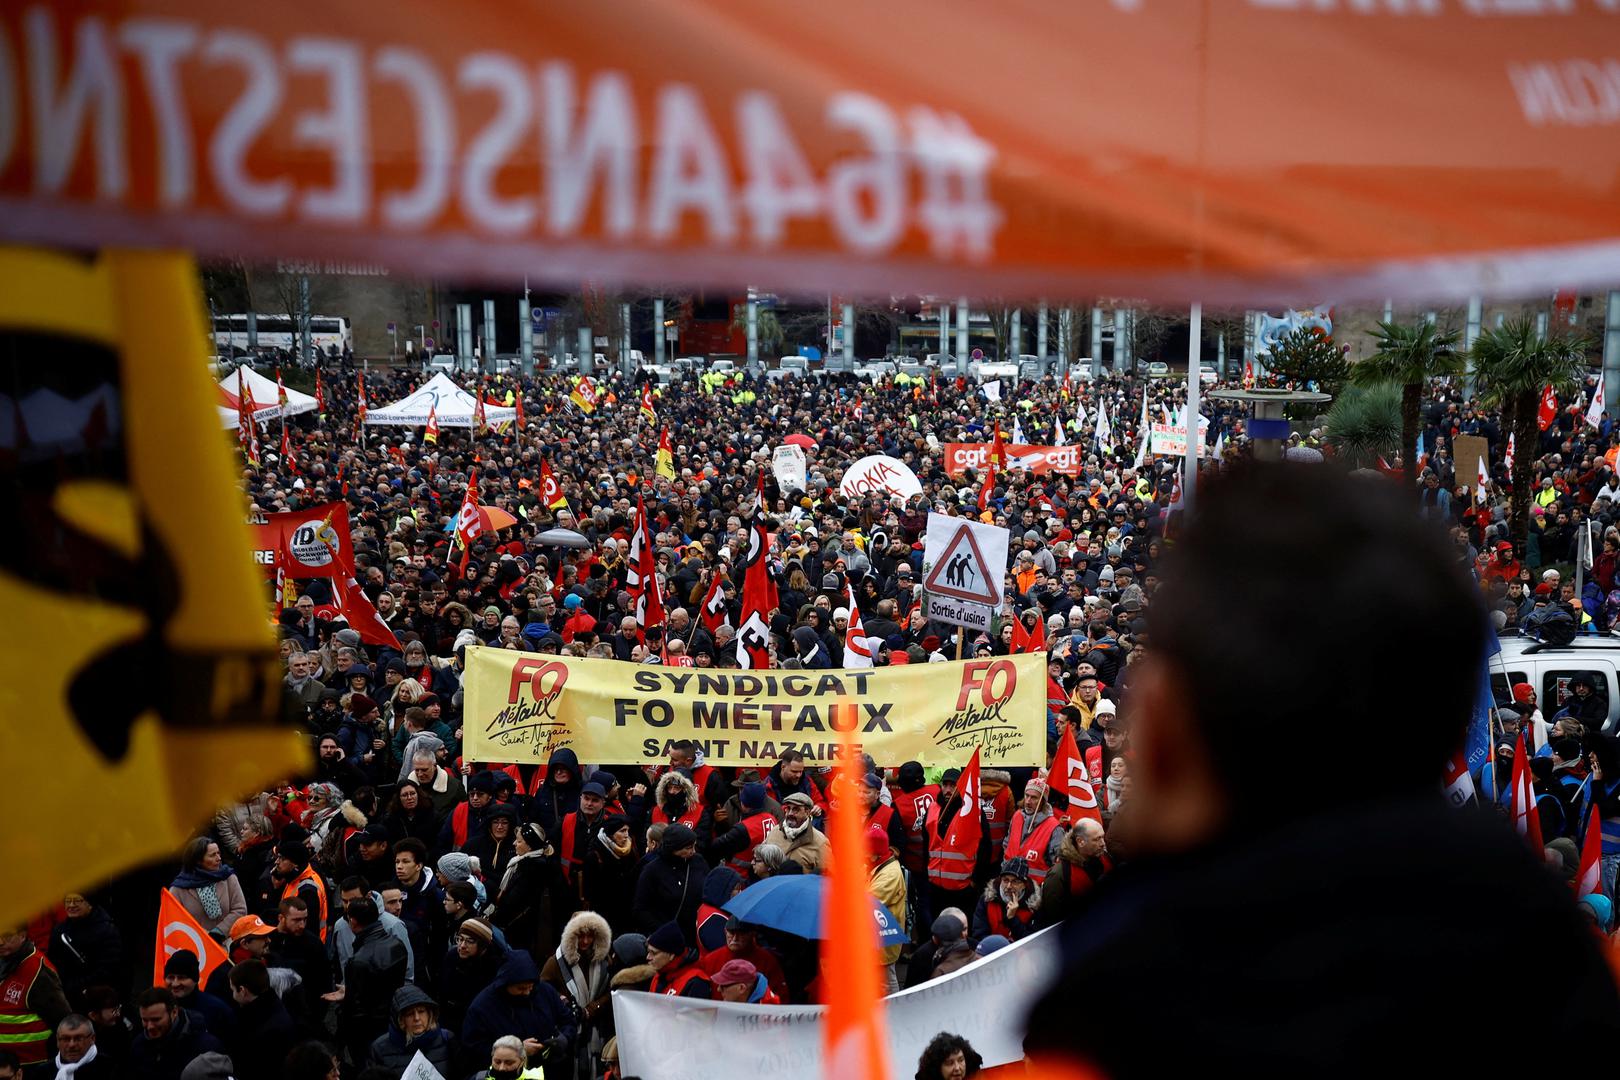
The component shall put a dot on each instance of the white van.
(1549, 669)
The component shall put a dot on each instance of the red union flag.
(469, 526)
(378, 142)
(1547, 412)
(1068, 775)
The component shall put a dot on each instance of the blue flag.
(1478, 743)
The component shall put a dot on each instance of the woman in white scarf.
(579, 971)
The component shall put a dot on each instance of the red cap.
(1523, 692)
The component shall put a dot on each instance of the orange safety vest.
(759, 826)
(1033, 848)
(309, 874)
(22, 1032)
(949, 868)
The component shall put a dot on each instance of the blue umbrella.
(795, 904)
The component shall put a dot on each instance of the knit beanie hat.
(668, 938)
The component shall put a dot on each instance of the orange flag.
(856, 1047)
(177, 930)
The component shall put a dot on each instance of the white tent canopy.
(265, 405)
(453, 407)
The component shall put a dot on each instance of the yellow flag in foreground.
(141, 680)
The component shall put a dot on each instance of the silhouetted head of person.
(1299, 601)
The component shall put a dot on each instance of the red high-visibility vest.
(948, 868)
(1032, 849)
(759, 826)
(23, 1032)
(913, 809)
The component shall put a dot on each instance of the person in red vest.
(913, 798)
(879, 816)
(575, 832)
(742, 943)
(31, 1002)
(721, 884)
(676, 964)
(736, 845)
(467, 819)
(676, 801)
(951, 874)
(1035, 833)
(1008, 904)
(710, 784)
(1082, 860)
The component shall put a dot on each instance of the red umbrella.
(801, 440)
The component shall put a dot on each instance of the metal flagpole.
(1190, 475)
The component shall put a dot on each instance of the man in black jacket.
(370, 978)
(670, 888)
(264, 1029)
(1319, 932)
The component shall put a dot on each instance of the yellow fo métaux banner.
(520, 707)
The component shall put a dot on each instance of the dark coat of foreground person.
(1326, 921)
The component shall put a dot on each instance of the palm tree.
(1514, 366)
(1409, 356)
(1365, 424)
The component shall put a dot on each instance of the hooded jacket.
(718, 886)
(583, 977)
(554, 800)
(394, 1051)
(542, 1015)
(493, 856)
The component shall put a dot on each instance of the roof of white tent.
(451, 405)
(265, 406)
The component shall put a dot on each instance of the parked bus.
(279, 332)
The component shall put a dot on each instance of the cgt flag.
(177, 930)
(131, 601)
(664, 464)
(1068, 775)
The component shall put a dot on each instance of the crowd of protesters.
(405, 899)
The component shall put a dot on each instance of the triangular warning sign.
(961, 571)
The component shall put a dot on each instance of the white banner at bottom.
(674, 1038)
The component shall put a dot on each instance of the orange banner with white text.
(1246, 149)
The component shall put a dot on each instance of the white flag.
(1057, 430)
(1594, 411)
(992, 390)
(1220, 445)
(1484, 478)
(1018, 432)
(1142, 434)
(1105, 434)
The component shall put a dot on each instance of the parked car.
(1550, 668)
(790, 367)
